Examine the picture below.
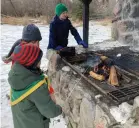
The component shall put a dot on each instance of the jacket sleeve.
(52, 38)
(44, 103)
(12, 49)
(75, 33)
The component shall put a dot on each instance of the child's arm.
(75, 33)
(13, 47)
(51, 91)
(44, 103)
(7, 58)
(77, 37)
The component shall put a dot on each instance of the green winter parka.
(37, 108)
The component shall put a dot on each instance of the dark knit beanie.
(31, 33)
(27, 55)
(60, 8)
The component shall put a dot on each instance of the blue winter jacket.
(59, 32)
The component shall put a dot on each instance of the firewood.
(113, 80)
(96, 76)
(103, 58)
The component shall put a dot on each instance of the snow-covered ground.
(9, 34)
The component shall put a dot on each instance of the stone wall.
(84, 107)
(127, 25)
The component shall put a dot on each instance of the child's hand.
(85, 45)
(58, 47)
(6, 59)
(53, 97)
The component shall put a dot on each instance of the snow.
(122, 113)
(66, 68)
(9, 34)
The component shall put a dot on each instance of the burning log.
(96, 76)
(113, 79)
(105, 70)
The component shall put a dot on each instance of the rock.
(135, 112)
(126, 26)
(118, 55)
(97, 97)
(101, 119)
(135, 115)
(57, 78)
(75, 116)
(135, 45)
(87, 113)
(136, 42)
(126, 11)
(66, 108)
(64, 92)
(135, 12)
(76, 110)
(126, 30)
(87, 96)
(135, 1)
(77, 94)
(66, 68)
(137, 24)
(136, 102)
(114, 31)
(126, 38)
(82, 70)
(73, 85)
(122, 113)
(64, 81)
(72, 124)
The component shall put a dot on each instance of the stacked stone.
(84, 107)
(128, 25)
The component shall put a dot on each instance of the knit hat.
(31, 33)
(28, 55)
(60, 8)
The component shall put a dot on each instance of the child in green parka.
(31, 104)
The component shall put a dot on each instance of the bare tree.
(16, 14)
(31, 7)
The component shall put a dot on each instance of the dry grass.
(77, 23)
(23, 20)
(28, 20)
(105, 22)
(45, 20)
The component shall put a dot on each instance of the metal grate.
(124, 94)
(76, 58)
(116, 94)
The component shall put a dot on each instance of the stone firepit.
(85, 107)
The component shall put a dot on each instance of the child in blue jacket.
(58, 37)
(59, 30)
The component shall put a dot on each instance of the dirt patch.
(23, 20)
(105, 22)
(44, 20)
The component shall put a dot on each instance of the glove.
(85, 45)
(58, 47)
(6, 59)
